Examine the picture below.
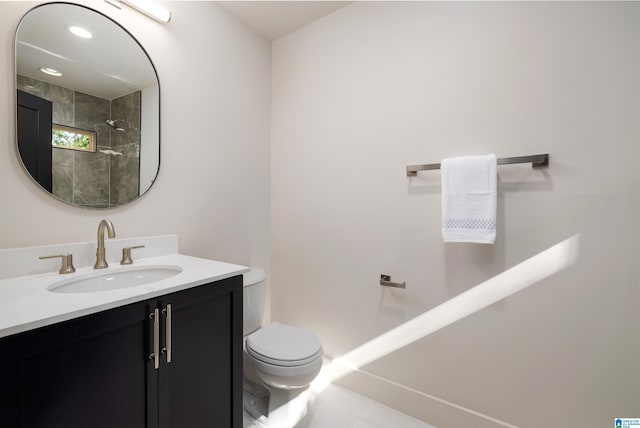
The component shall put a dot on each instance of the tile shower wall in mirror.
(125, 168)
(110, 176)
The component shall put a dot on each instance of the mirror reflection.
(88, 107)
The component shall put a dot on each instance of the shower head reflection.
(116, 124)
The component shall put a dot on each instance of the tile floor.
(337, 407)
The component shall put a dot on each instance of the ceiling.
(273, 19)
(109, 65)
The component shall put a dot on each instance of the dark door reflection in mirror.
(34, 137)
(108, 88)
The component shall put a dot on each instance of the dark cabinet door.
(201, 385)
(92, 371)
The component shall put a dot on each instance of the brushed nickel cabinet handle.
(155, 356)
(167, 312)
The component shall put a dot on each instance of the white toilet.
(279, 359)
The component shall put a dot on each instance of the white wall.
(362, 93)
(213, 185)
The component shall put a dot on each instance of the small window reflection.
(66, 137)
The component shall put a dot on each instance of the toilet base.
(255, 396)
(256, 405)
(260, 400)
(260, 405)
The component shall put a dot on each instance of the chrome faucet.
(101, 262)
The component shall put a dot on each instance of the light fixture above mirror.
(148, 7)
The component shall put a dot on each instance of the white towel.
(469, 199)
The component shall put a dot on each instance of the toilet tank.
(253, 300)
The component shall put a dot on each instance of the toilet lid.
(284, 345)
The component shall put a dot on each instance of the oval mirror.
(88, 107)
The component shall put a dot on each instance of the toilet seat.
(285, 346)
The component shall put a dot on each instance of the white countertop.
(26, 303)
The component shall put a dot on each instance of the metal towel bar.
(537, 161)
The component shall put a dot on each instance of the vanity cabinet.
(101, 370)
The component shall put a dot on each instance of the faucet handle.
(67, 262)
(126, 255)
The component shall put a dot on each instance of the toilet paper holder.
(385, 281)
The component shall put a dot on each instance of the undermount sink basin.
(106, 281)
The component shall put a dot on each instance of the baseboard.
(433, 410)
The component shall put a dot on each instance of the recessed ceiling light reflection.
(51, 71)
(79, 31)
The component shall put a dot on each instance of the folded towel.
(469, 199)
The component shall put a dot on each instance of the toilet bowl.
(285, 357)
(279, 359)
